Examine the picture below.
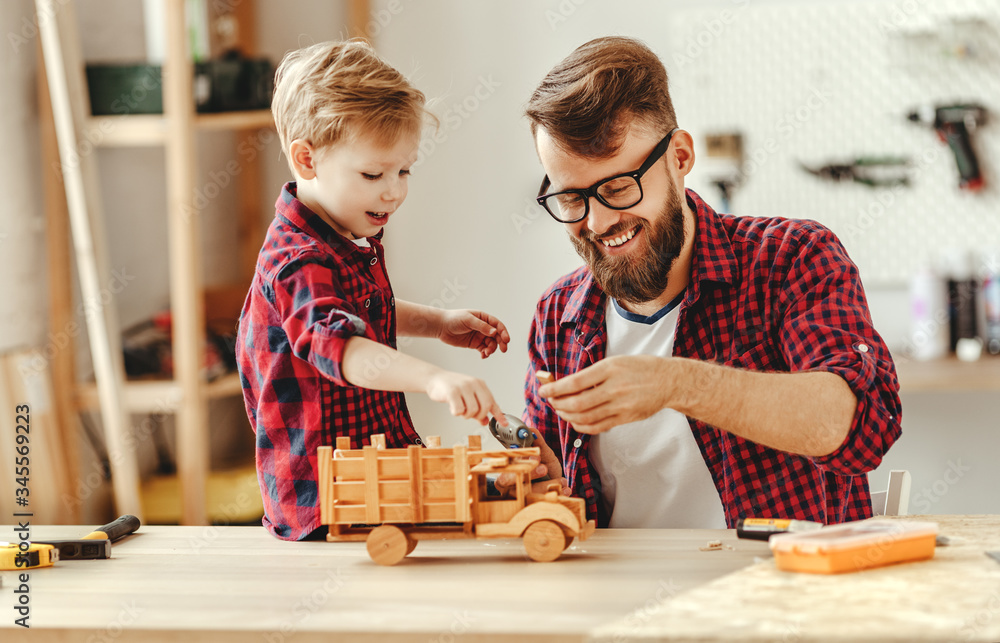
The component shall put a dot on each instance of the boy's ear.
(303, 158)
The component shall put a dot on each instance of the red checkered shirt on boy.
(313, 289)
(766, 294)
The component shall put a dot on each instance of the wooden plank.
(62, 324)
(416, 482)
(461, 480)
(372, 514)
(324, 479)
(70, 104)
(343, 445)
(359, 19)
(184, 229)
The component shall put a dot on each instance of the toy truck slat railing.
(391, 498)
(424, 486)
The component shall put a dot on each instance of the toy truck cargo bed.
(393, 497)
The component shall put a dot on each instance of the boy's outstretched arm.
(463, 328)
(369, 364)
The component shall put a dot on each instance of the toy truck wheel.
(544, 540)
(388, 544)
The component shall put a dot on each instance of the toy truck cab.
(391, 498)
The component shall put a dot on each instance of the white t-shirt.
(652, 472)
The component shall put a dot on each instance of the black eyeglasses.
(618, 192)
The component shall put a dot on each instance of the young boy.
(317, 334)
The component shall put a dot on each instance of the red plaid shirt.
(766, 294)
(312, 290)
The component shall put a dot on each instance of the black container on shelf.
(225, 84)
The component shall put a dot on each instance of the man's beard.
(640, 276)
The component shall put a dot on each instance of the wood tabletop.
(240, 584)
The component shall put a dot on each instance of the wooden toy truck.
(392, 498)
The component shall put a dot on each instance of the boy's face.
(355, 186)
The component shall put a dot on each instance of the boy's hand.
(467, 396)
(474, 329)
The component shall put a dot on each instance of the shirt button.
(863, 348)
(373, 261)
(392, 301)
(577, 443)
(368, 302)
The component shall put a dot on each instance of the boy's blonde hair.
(335, 91)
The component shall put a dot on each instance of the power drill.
(954, 125)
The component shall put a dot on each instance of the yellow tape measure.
(14, 557)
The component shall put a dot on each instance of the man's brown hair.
(589, 99)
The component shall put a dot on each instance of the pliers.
(871, 171)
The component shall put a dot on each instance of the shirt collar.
(297, 214)
(713, 260)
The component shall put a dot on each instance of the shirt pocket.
(753, 349)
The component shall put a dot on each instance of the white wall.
(470, 234)
(22, 223)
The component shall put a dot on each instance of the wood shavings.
(715, 545)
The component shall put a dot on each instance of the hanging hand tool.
(873, 171)
(954, 125)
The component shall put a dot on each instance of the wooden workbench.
(227, 584)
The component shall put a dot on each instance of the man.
(707, 367)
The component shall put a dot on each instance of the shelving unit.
(187, 395)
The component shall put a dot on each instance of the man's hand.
(549, 469)
(614, 391)
(474, 329)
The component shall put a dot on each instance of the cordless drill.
(954, 125)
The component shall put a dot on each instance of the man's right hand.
(547, 471)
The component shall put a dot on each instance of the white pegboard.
(831, 82)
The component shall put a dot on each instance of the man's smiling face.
(630, 252)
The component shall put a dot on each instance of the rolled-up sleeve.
(316, 314)
(826, 327)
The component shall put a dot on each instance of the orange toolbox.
(851, 547)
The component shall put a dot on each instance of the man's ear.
(303, 159)
(682, 157)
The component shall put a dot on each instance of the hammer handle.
(112, 531)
